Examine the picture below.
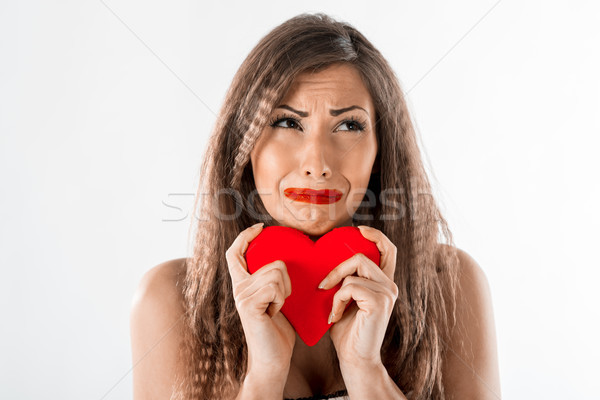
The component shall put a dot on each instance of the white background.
(105, 108)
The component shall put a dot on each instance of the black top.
(324, 396)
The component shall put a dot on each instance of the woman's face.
(313, 161)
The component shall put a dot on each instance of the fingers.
(386, 247)
(359, 264)
(371, 297)
(264, 291)
(268, 297)
(276, 303)
(362, 265)
(235, 253)
(284, 275)
(374, 289)
(275, 272)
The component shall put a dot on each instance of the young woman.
(316, 107)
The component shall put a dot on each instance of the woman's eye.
(352, 126)
(287, 123)
(292, 123)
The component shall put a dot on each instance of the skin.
(318, 152)
(470, 368)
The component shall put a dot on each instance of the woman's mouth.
(306, 195)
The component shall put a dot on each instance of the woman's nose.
(315, 158)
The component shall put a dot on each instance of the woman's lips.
(305, 195)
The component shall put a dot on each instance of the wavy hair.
(214, 348)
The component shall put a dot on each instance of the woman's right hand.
(258, 299)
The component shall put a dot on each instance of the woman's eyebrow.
(331, 111)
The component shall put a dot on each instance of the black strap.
(321, 397)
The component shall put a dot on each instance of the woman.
(316, 106)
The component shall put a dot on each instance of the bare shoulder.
(470, 366)
(162, 280)
(472, 278)
(156, 322)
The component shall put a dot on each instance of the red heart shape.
(307, 308)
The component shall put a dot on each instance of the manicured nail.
(256, 225)
(331, 315)
(323, 284)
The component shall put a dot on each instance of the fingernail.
(331, 315)
(323, 284)
(256, 225)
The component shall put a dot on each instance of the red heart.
(308, 263)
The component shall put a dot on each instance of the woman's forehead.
(334, 75)
(336, 85)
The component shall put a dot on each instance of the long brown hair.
(214, 349)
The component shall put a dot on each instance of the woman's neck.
(317, 364)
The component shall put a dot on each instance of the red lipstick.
(306, 195)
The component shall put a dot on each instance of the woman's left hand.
(358, 334)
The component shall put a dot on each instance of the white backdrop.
(105, 108)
